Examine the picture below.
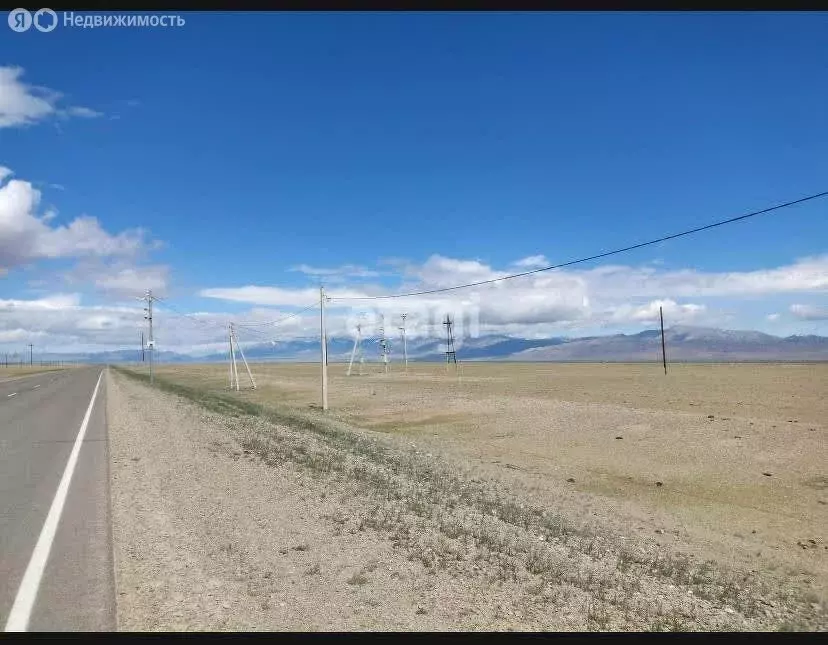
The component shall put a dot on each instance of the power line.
(248, 327)
(190, 317)
(279, 321)
(591, 257)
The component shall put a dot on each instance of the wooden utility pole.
(405, 347)
(663, 350)
(323, 337)
(148, 317)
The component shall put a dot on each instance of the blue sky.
(249, 145)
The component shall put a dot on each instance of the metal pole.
(230, 356)
(383, 342)
(233, 355)
(142, 347)
(405, 347)
(324, 341)
(31, 362)
(151, 341)
(663, 350)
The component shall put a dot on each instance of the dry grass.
(632, 440)
(449, 520)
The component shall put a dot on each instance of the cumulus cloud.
(54, 302)
(58, 321)
(809, 312)
(533, 262)
(61, 323)
(806, 274)
(83, 112)
(276, 296)
(22, 104)
(134, 281)
(544, 304)
(344, 271)
(26, 235)
(649, 313)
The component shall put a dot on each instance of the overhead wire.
(279, 321)
(588, 258)
(190, 317)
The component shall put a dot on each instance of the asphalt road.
(40, 422)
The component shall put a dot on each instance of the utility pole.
(451, 355)
(151, 343)
(31, 361)
(234, 370)
(142, 347)
(405, 348)
(383, 343)
(230, 340)
(323, 337)
(663, 350)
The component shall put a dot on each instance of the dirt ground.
(618, 448)
(708, 432)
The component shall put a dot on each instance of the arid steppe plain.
(496, 496)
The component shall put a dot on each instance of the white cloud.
(54, 302)
(20, 336)
(83, 112)
(26, 236)
(675, 313)
(22, 104)
(807, 274)
(61, 323)
(533, 262)
(809, 312)
(772, 317)
(5, 173)
(345, 271)
(58, 322)
(549, 303)
(133, 281)
(275, 296)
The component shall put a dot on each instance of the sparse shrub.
(358, 579)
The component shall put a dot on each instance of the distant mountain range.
(683, 344)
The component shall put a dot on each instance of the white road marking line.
(21, 610)
(13, 394)
(35, 387)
